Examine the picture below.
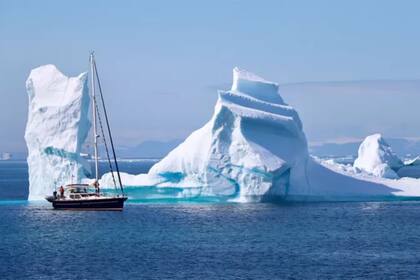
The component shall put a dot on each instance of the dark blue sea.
(205, 241)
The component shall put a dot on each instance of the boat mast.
(109, 130)
(95, 135)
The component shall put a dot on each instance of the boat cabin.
(76, 191)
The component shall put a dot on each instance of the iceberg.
(254, 149)
(253, 145)
(376, 157)
(56, 129)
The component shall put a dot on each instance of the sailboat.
(89, 196)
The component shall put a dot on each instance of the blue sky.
(162, 61)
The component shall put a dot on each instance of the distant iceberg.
(376, 157)
(254, 149)
(56, 129)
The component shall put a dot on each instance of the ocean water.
(205, 241)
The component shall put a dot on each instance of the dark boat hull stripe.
(99, 204)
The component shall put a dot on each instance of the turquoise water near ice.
(371, 240)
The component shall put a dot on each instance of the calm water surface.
(205, 241)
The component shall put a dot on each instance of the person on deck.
(96, 184)
(61, 191)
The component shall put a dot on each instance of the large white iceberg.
(56, 129)
(252, 146)
(254, 149)
(376, 157)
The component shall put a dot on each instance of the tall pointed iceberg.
(56, 129)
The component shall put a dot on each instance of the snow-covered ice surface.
(57, 127)
(254, 149)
